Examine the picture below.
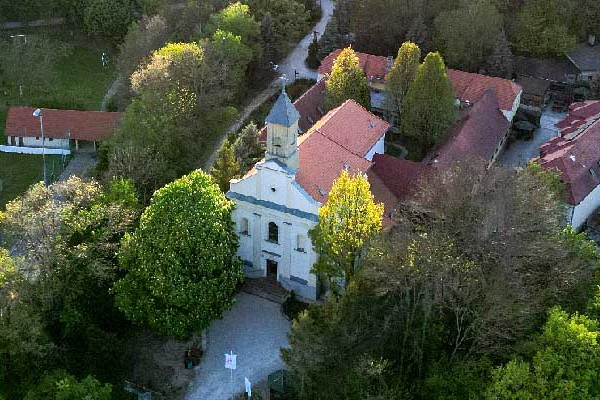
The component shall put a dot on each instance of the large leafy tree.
(235, 18)
(565, 364)
(347, 222)
(401, 76)
(181, 269)
(429, 109)
(462, 278)
(59, 385)
(347, 81)
(247, 147)
(108, 19)
(467, 34)
(501, 62)
(544, 28)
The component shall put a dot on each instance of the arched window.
(244, 226)
(273, 232)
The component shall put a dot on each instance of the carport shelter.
(61, 127)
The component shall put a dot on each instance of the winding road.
(294, 62)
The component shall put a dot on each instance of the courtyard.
(254, 329)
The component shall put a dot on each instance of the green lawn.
(78, 81)
(19, 171)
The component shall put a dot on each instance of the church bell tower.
(282, 132)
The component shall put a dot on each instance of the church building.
(277, 201)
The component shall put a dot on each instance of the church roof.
(340, 140)
(283, 111)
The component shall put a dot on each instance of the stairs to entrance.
(267, 288)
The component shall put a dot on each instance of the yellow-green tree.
(347, 222)
(402, 74)
(347, 81)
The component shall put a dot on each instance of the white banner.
(230, 361)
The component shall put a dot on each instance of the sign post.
(231, 364)
(248, 387)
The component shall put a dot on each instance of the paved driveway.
(255, 330)
(521, 151)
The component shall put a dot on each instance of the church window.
(300, 243)
(273, 232)
(244, 227)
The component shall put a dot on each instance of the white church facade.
(277, 202)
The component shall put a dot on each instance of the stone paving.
(254, 329)
(521, 151)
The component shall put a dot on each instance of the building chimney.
(591, 39)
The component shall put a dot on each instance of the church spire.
(282, 132)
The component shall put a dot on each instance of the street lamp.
(38, 114)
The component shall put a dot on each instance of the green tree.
(247, 147)
(226, 167)
(401, 76)
(312, 60)
(429, 109)
(501, 62)
(543, 28)
(564, 367)
(108, 19)
(227, 50)
(58, 385)
(467, 34)
(180, 284)
(347, 81)
(235, 18)
(347, 222)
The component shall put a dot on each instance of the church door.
(272, 270)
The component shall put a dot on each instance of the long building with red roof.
(60, 127)
(469, 87)
(575, 154)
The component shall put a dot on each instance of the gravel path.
(111, 92)
(521, 151)
(255, 330)
(293, 62)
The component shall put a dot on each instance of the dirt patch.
(158, 364)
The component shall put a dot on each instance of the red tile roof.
(322, 161)
(382, 194)
(467, 85)
(471, 87)
(338, 140)
(576, 154)
(83, 125)
(579, 115)
(401, 177)
(476, 135)
(375, 67)
(353, 127)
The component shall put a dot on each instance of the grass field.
(78, 80)
(19, 171)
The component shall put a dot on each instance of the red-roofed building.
(576, 155)
(481, 133)
(277, 202)
(60, 126)
(469, 87)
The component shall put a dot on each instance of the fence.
(33, 150)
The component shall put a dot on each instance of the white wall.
(49, 143)
(32, 150)
(511, 114)
(585, 208)
(378, 147)
(271, 195)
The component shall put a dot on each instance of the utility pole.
(20, 59)
(38, 114)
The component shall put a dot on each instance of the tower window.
(273, 232)
(244, 227)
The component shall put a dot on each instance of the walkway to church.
(255, 330)
(294, 62)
